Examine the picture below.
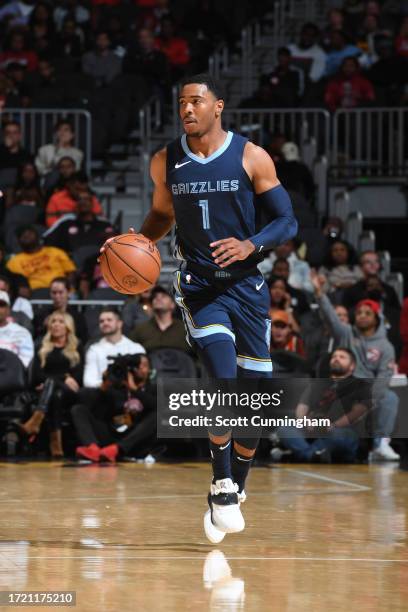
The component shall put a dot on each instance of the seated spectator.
(342, 398)
(281, 299)
(39, 264)
(59, 293)
(285, 82)
(375, 360)
(56, 371)
(46, 86)
(335, 22)
(42, 29)
(349, 89)
(16, 51)
(299, 277)
(12, 153)
(73, 10)
(49, 155)
(318, 337)
(370, 266)
(58, 178)
(70, 42)
(307, 54)
(283, 338)
(91, 277)
(18, 94)
(163, 330)
(14, 337)
(112, 343)
(16, 12)
(174, 47)
(18, 283)
(137, 309)
(27, 189)
(102, 64)
(388, 74)
(299, 301)
(116, 422)
(64, 202)
(401, 42)
(79, 229)
(340, 48)
(21, 311)
(340, 267)
(144, 59)
(293, 173)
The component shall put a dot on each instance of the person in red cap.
(375, 359)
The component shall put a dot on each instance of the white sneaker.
(212, 532)
(224, 515)
(384, 452)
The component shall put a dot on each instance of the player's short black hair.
(204, 78)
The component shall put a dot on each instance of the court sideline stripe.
(328, 479)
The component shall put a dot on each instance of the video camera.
(117, 372)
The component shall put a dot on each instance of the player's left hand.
(229, 250)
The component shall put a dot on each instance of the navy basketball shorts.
(213, 313)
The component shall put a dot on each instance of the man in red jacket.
(349, 88)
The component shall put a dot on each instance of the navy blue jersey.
(213, 198)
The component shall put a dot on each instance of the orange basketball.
(130, 263)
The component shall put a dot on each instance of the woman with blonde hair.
(56, 371)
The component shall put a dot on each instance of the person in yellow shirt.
(39, 264)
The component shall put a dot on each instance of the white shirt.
(49, 155)
(299, 276)
(315, 54)
(18, 340)
(96, 358)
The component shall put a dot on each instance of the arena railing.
(37, 126)
(150, 120)
(298, 124)
(370, 143)
(80, 304)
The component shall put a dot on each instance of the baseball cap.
(280, 315)
(4, 297)
(375, 306)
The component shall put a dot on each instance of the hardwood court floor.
(318, 538)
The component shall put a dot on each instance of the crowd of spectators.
(359, 58)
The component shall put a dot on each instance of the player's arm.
(160, 218)
(273, 198)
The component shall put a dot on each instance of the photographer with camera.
(119, 418)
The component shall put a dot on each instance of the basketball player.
(212, 183)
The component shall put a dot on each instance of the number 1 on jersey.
(203, 204)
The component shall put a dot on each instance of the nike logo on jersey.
(260, 285)
(177, 165)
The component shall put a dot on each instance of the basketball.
(130, 263)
